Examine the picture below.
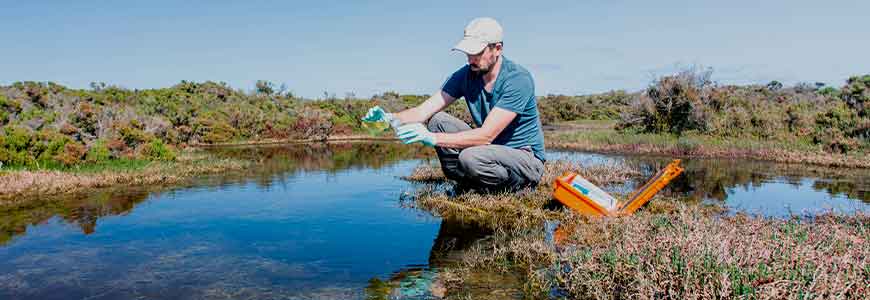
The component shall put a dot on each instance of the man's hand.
(416, 132)
(378, 114)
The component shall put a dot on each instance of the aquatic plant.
(688, 252)
(669, 249)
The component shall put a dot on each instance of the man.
(506, 150)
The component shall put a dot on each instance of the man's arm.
(421, 113)
(495, 122)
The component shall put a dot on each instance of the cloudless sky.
(368, 47)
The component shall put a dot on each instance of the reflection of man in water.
(454, 238)
(506, 149)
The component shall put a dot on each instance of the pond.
(317, 222)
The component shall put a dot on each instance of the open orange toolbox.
(584, 197)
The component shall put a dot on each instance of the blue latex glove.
(415, 132)
(378, 114)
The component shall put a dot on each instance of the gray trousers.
(487, 167)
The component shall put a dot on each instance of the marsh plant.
(670, 249)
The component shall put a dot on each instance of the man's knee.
(477, 162)
(435, 122)
(445, 123)
(470, 157)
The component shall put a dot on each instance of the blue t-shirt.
(514, 90)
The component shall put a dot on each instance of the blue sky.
(368, 47)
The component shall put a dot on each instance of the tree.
(265, 87)
(774, 86)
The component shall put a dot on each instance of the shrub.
(835, 128)
(672, 104)
(313, 123)
(9, 104)
(265, 87)
(211, 129)
(857, 94)
(85, 118)
(98, 152)
(115, 146)
(46, 145)
(157, 150)
(72, 154)
(16, 138)
(133, 135)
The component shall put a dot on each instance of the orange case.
(582, 204)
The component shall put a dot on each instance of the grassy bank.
(598, 137)
(669, 249)
(22, 184)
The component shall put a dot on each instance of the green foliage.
(831, 92)
(265, 87)
(213, 128)
(833, 119)
(560, 108)
(834, 128)
(98, 152)
(857, 94)
(133, 135)
(9, 105)
(22, 147)
(34, 114)
(157, 150)
(120, 164)
(15, 142)
(774, 86)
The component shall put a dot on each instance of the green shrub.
(157, 150)
(16, 138)
(9, 105)
(835, 128)
(14, 143)
(12, 158)
(211, 129)
(98, 152)
(48, 144)
(132, 135)
(857, 94)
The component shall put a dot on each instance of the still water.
(316, 222)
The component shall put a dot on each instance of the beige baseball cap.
(479, 33)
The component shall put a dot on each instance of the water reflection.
(309, 223)
(281, 162)
(275, 164)
(454, 239)
(767, 188)
(81, 211)
(713, 179)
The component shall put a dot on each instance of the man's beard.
(480, 71)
